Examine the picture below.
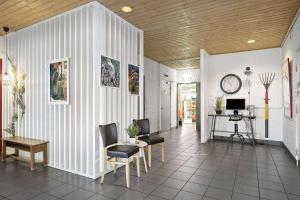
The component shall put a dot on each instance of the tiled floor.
(216, 170)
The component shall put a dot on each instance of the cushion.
(122, 151)
(152, 139)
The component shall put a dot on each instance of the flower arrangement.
(219, 104)
(18, 92)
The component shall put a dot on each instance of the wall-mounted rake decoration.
(267, 79)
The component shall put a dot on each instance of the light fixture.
(251, 41)
(248, 73)
(5, 76)
(126, 9)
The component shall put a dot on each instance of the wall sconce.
(5, 79)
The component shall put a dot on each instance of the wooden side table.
(25, 144)
(142, 145)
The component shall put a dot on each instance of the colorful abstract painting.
(133, 79)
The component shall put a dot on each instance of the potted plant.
(133, 132)
(219, 105)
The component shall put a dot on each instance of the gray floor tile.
(218, 193)
(246, 189)
(165, 192)
(99, 197)
(195, 188)
(272, 195)
(182, 195)
(181, 175)
(238, 196)
(174, 183)
(62, 190)
(24, 195)
(79, 194)
(145, 187)
(44, 197)
(130, 194)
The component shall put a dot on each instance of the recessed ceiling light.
(126, 9)
(251, 41)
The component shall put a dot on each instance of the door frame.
(177, 102)
(1, 105)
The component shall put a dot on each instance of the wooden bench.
(25, 144)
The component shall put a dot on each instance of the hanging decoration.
(267, 79)
(18, 92)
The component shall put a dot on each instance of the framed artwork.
(110, 72)
(59, 81)
(287, 88)
(133, 79)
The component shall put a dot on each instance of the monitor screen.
(235, 104)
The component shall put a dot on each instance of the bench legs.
(32, 159)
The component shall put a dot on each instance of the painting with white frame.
(58, 81)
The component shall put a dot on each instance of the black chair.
(150, 139)
(114, 150)
(235, 118)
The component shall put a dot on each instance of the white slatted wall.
(82, 34)
(117, 39)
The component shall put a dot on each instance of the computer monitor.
(235, 104)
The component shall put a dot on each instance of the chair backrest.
(144, 126)
(109, 134)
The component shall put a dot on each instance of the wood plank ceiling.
(175, 30)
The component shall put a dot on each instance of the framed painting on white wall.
(287, 88)
(58, 81)
(110, 72)
(133, 79)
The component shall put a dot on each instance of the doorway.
(188, 105)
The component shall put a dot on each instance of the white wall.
(291, 49)
(188, 75)
(152, 93)
(260, 61)
(83, 35)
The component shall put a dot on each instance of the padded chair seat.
(122, 151)
(152, 139)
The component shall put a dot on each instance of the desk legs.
(3, 151)
(214, 126)
(252, 131)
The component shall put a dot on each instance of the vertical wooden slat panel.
(83, 35)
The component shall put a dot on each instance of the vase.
(132, 140)
(218, 112)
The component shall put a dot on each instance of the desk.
(249, 135)
(25, 144)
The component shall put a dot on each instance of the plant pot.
(218, 112)
(132, 140)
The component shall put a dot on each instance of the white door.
(165, 102)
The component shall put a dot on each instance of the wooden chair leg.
(138, 165)
(149, 155)
(104, 167)
(127, 173)
(163, 152)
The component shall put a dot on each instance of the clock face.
(231, 84)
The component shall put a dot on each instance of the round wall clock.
(231, 84)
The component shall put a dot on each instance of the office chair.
(235, 118)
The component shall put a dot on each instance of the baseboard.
(257, 141)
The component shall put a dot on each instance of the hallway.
(216, 170)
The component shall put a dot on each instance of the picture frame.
(58, 81)
(110, 72)
(133, 79)
(287, 88)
